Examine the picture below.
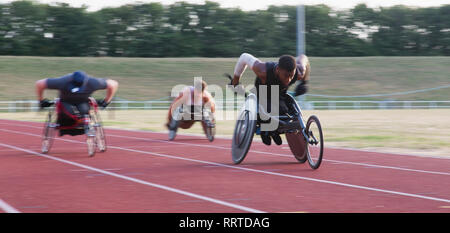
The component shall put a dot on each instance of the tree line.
(208, 30)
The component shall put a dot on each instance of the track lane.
(51, 186)
(257, 161)
(305, 203)
(338, 156)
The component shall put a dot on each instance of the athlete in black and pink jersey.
(284, 73)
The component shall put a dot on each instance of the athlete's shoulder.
(260, 69)
(207, 96)
(59, 82)
(271, 65)
(96, 83)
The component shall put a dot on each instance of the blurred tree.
(74, 32)
(208, 30)
(22, 27)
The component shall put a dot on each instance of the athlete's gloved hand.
(237, 88)
(231, 79)
(45, 103)
(102, 103)
(301, 88)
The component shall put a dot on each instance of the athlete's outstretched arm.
(303, 76)
(210, 102)
(248, 60)
(111, 88)
(304, 65)
(181, 99)
(41, 85)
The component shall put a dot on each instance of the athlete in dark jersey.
(284, 73)
(74, 92)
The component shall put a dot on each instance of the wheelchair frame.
(299, 136)
(202, 115)
(91, 123)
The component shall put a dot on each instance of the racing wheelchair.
(190, 115)
(89, 125)
(305, 140)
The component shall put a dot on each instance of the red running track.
(143, 172)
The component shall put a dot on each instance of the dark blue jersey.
(75, 95)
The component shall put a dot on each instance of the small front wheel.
(210, 130)
(91, 135)
(99, 132)
(314, 145)
(48, 134)
(173, 127)
(91, 144)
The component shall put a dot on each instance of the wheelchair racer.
(192, 98)
(284, 73)
(74, 92)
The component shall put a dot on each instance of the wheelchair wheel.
(91, 139)
(99, 132)
(244, 129)
(297, 144)
(296, 140)
(48, 134)
(177, 116)
(173, 127)
(314, 149)
(210, 132)
(209, 127)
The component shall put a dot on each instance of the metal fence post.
(12, 107)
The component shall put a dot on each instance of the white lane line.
(287, 175)
(262, 171)
(229, 138)
(389, 167)
(269, 153)
(285, 155)
(335, 162)
(167, 188)
(7, 208)
(284, 143)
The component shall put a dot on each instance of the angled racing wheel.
(244, 129)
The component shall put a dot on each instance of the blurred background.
(380, 69)
(182, 29)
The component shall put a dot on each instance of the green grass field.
(153, 78)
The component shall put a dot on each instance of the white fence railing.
(331, 105)
(31, 105)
